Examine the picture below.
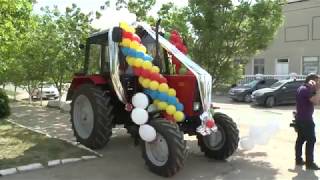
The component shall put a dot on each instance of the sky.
(110, 16)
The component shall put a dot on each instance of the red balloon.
(162, 79)
(137, 71)
(210, 123)
(184, 49)
(168, 117)
(128, 35)
(136, 38)
(154, 76)
(145, 73)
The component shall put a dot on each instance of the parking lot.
(122, 160)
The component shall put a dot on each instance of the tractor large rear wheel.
(91, 116)
(166, 154)
(223, 143)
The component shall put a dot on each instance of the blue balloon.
(132, 52)
(154, 94)
(147, 57)
(147, 91)
(163, 97)
(125, 50)
(172, 100)
(140, 55)
(179, 107)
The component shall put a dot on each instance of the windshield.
(251, 84)
(277, 84)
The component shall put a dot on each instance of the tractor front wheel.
(166, 154)
(91, 116)
(221, 144)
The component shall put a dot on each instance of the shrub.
(4, 105)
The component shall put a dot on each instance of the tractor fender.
(77, 81)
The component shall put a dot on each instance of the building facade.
(296, 47)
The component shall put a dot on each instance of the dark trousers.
(306, 133)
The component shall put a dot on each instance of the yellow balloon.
(172, 92)
(146, 65)
(123, 25)
(141, 79)
(130, 29)
(142, 48)
(125, 42)
(171, 109)
(130, 60)
(146, 83)
(163, 87)
(156, 101)
(138, 63)
(162, 105)
(134, 45)
(155, 69)
(178, 116)
(154, 85)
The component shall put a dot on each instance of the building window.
(258, 66)
(310, 64)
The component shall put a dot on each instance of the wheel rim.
(83, 117)
(158, 150)
(216, 140)
(247, 98)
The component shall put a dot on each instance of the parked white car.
(48, 91)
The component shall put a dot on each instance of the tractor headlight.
(196, 106)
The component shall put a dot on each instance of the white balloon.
(246, 143)
(140, 100)
(147, 133)
(262, 139)
(139, 116)
(255, 131)
(152, 108)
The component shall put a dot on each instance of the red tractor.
(101, 98)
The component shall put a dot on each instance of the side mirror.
(81, 46)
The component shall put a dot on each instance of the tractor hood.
(203, 77)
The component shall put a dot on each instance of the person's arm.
(313, 92)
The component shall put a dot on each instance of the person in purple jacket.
(305, 100)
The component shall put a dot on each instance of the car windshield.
(47, 86)
(277, 84)
(251, 84)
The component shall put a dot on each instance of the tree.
(138, 7)
(224, 32)
(14, 22)
(174, 18)
(67, 30)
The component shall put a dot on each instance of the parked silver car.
(48, 91)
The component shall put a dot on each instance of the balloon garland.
(175, 38)
(154, 84)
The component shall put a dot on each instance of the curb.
(76, 144)
(51, 163)
(35, 166)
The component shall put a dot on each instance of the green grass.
(19, 146)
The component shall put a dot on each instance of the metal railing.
(247, 78)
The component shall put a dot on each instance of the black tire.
(270, 101)
(229, 144)
(176, 147)
(102, 113)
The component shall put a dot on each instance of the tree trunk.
(15, 93)
(41, 93)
